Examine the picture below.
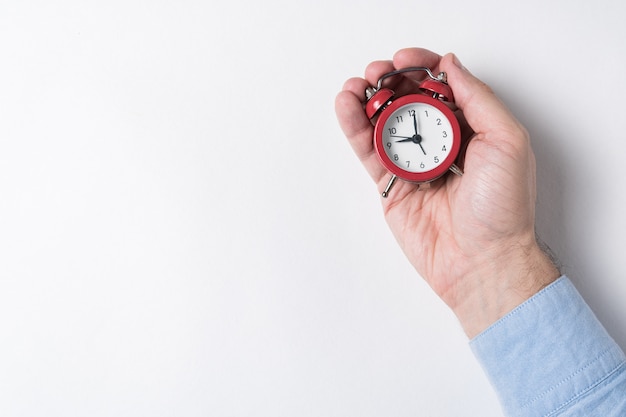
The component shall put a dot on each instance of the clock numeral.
(411, 113)
(388, 145)
(422, 165)
(444, 149)
(392, 130)
(408, 164)
(426, 111)
(399, 119)
(396, 157)
(436, 159)
(445, 134)
(438, 122)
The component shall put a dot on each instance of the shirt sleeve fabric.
(552, 357)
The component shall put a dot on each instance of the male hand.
(472, 237)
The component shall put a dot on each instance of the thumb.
(482, 109)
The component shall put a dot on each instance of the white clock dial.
(417, 137)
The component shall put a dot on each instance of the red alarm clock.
(417, 136)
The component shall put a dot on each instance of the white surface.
(184, 230)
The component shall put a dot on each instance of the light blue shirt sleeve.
(552, 357)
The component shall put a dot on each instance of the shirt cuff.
(548, 353)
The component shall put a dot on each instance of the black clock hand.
(404, 138)
(413, 139)
(418, 137)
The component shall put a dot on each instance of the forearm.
(499, 284)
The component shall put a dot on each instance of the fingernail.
(455, 61)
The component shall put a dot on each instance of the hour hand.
(404, 138)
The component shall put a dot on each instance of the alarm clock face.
(417, 138)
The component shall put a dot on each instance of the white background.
(184, 231)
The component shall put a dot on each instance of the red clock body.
(417, 137)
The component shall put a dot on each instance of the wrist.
(500, 283)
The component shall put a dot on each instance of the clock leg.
(389, 185)
(456, 170)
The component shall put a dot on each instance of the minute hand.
(418, 137)
(416, 125)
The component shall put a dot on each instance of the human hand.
(472, 237)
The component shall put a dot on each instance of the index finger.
(356, 126)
